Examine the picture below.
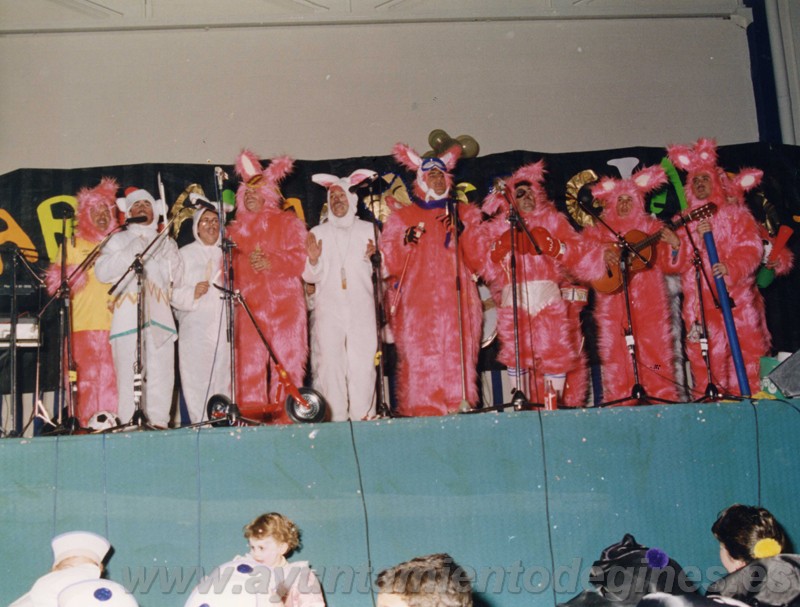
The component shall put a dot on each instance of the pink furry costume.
(274, 293)
(739, 247)
(421, 264)
(648, 295)
(550, 338)
(749, 313)
(91, 315)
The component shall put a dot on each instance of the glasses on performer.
(521, 192)
(209, 221)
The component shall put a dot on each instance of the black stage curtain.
(23, 192)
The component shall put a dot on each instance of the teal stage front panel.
(778, 441)
(472, 486)
(661, 473)
(524, 500)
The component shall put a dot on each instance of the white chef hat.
(79, 543)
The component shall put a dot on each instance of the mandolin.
(645, 246)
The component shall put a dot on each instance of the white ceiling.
(38, 16)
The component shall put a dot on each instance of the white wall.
(784, 19)
(70, 100)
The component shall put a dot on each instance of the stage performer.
(268, 262)
(162, 268)
(343, 333)
(749, 313)
(204, 356)
(550, 337)
(418, 244)
(90, 302)
(739, 246)
(623, 210)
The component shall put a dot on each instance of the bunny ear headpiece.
(531, 174)
(407, 157)
(348, 185)
(102, 195)
(265, 181)
(701, 158)
(609, 190)
(736, 185)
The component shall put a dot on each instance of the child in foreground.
(263, 576)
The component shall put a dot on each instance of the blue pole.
(727, 315)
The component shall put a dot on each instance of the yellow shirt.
(90, 302)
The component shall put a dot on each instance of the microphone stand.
(67, 369)
(221, 401)
(464, 404)
(381, 407)
(517, 225)
(17, 257)
(519, 402)
(303, 405)
(626, 251)
(64, 295)
(712, 392)
(139, 418)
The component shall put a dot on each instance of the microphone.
(368, 181)
(65, 213)
(204, 205)
(221, 176)
(585, 199)
(198, 202)
(138, 219)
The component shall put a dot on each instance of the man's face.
(624, 205)
(436, 181)
(338, 201)
(101, 217)
(142, 208)
(702, 186)
(208, 228)
(253, 200)
(524, 196)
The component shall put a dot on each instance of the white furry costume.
(204, 357)
(162, 267)
(343, 334)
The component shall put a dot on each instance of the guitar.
(645, 246)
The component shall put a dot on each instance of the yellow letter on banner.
(14, 233)
(52, 226)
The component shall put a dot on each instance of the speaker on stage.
(786, 376)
